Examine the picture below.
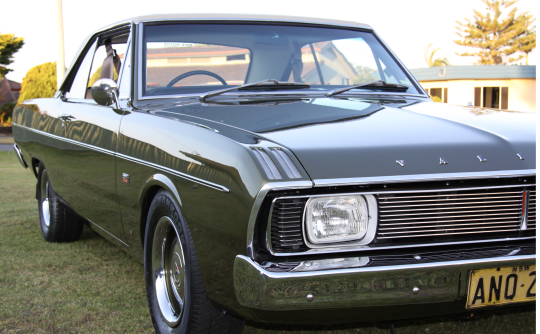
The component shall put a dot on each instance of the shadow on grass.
(513, 320)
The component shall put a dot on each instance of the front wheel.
(176, 296)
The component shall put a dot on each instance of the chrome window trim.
(127, 54)
(139, 62)
(356, 248)
(140, 97)
(423, 177)
(132, 159)
(403, 67)
(116, 25)
(263, 19)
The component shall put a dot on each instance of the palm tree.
(429, 54)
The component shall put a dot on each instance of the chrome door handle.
(66, 118)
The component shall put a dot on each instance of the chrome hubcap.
(45, 199)
(168, 266)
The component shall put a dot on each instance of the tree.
(5, 114)
(9, 44)
(429, 54)
(40, 81)
(495, 35)
(97, 75)
(365, 74)
(527, 42)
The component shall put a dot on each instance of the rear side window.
(78, 87)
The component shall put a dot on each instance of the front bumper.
(440, 282)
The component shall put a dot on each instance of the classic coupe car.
(282, 169)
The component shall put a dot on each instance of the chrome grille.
(531, 218)
(286, 225)
(454, 213)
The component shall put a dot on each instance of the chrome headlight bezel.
(368, 237)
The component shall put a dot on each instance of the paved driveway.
(6, 147)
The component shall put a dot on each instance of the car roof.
(241, 17)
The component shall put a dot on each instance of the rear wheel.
(58, 221)
(176, 295)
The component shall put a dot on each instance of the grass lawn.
(90, 286)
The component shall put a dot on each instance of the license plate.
(499, 286)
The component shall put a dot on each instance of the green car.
(285, 170)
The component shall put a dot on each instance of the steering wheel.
(190, 73)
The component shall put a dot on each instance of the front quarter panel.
(215, 180)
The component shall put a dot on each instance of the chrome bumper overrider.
(17, 149)
(357, 287)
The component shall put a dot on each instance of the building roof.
(472, 72)
(240, 17)
(9, 91)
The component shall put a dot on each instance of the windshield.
(184, 59)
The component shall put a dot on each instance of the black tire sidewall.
(44, 229)
(164, 205)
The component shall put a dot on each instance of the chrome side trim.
(18, 150)
(423, 177)
(306, 184)
(67, 140)
(125, 157)
(174, 172)
(107, 232)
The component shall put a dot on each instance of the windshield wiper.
(268, 83)
(374, 84)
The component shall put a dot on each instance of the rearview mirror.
(105, 92)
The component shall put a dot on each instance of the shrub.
(39, 82)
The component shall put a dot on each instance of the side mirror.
(105, 92)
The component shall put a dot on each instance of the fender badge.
(401, 163)
(125, 177)
(480, 158)
(442, 162)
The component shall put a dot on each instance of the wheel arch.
(152, 186)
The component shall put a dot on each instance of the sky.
(406, 26)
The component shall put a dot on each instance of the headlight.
(336, 219)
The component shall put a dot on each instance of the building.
(9, 91)
(500, 86)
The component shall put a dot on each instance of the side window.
(98, 61)
(78, 87)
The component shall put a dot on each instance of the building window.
(491, 97)
(436, 94)
(236, 57)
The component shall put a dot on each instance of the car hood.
(338, 139)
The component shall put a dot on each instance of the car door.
(91, 130)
